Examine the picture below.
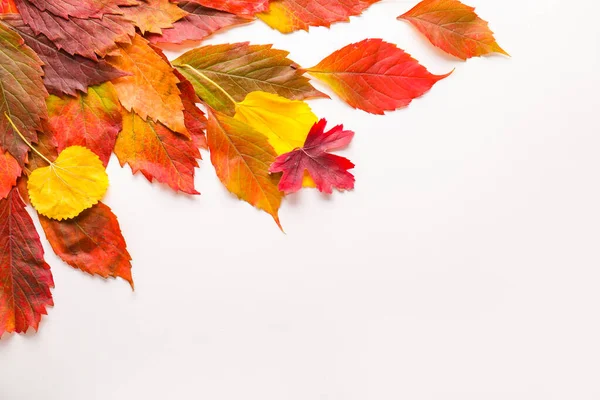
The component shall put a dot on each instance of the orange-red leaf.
(157, 152)
(7, 7)
(453, 27)
(91, 242)
(92, 120)
(10, 170)
(154, 15)
(292, 15)
(239, 7)
(151, 91)
(327, 170)
(375, 76)
(241, 157)
(25, 278)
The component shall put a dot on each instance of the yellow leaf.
(284, 122)
(74, 182)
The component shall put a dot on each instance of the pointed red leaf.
(327, 170)
(10, 170)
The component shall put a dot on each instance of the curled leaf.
(73, 183)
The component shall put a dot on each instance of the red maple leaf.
(327, 170)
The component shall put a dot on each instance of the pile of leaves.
(82, 79)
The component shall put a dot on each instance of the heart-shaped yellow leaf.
(73, 183)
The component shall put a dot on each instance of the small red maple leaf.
(327, 170)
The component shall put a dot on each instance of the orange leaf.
(25, 278)
(151, 90)
(91, 242)
(375, 76)
(453, 27)
(7, 7)
(10, 170)
(241, 157)
(157, 152)
(239, 7)
(154, 15)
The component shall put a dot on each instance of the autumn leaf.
(224, 74)
(22, 92)
(7, 6)
(45, 149)
(63, 72)
(453, 27)
(239, 7)
(374, 76)
(91, 242)
(154, 15)
(328, 170)
(291, 15)
(10, 170)
(74, 182)
(151, 90)
(87, 37)
(241, 157)
(195, 120)
(81, 8)
(284, 122)
(157, 152)
(199, 23)
(92, 120)
(25, 278)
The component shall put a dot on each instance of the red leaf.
(375, 76)
(7, 7)
(25, 278)
(10, 170)
(239, 7)
(327, 170)
(91, 242)
(194, 118)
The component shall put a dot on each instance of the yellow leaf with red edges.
(453, 27)
(151, 90)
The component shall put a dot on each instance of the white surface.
(464, 266)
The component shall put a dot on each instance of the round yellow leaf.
(73, 183)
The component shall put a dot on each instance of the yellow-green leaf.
(74, 182)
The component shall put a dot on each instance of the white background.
(465, 265)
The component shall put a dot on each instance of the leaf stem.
(25, 140)
(215, 84)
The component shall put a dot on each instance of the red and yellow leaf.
(25, 278)
(241, 157)
(22, 92)
(91, 242)
(92, 120)
(7, 7)
(327, 170)
(292, 15)
(10, 170)
(375, 76)
(239, 7)
(157, 152)
(453, 27)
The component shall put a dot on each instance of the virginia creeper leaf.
(292, 15)
(25, 278)
(83, 36)
(92, 120)
(10, 170)
(22, 93)
(242, 156)
(91, 242)
(157, 152)
(225, 74)
(74, 182)
(63, 72)
(151, 90)
(154, 15)
(198, 24)
(195, 120)
(375, 76)
(327, 170)
(453, 27)
(239, 7)
(81, 8)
